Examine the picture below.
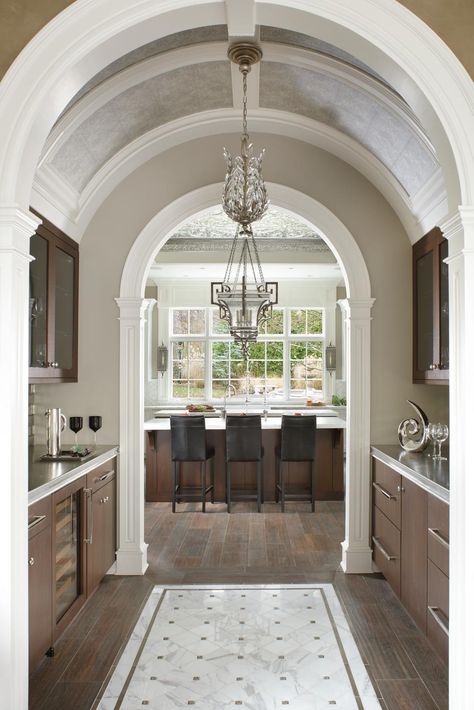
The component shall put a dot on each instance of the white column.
(132, 549)
(356, 549)
(459, 230)
(16, 227)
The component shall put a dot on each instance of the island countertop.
(420, 468)
(272, 422)
(46, 477)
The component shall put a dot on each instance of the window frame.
(210, 338)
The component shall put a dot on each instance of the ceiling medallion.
(244, 298)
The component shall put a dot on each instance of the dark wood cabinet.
(72, 545)
(437, 620)
(414, 557)
(40, 616)
(54, 279)
(102, 546)
(410, 536)
(430, 309)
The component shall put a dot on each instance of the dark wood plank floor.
(245, 547)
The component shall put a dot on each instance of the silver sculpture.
(413, 434)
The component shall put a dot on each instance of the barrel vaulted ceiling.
(187, 76)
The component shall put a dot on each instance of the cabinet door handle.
(437, 536)
(105, 476)
(89, 515)
(381, 490)
(384, 552)
(37, 519)
(31, 561)
(436, 614)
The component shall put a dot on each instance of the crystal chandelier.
(244, 298)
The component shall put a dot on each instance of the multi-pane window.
(188, 369)
(285, 362)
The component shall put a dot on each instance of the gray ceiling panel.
(131, 114)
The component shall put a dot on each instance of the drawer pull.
(384, 552)
(31, 561)
(104, 477)
(436, 613)
(89, 515)
(37, 519)
(381, 490)
(437, 536)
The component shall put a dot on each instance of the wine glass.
(95, 423)
(75, 425)
(430, 431)
(441, 434)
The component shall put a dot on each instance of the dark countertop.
(420, 468)
(46, 477)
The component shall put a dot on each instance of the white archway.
(58, 62)
(356, 554)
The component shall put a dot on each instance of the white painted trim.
(430, 204)
(240, 17)
(131, 553)
(357, 555)
(54, 198)
(459, 229)
(356, 548)
(16, 227)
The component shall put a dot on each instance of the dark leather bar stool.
(243, 439)
(188, 443)
(297, 444)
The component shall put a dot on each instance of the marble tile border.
(364, 692)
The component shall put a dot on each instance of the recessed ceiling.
(278, 230)
(307, 256)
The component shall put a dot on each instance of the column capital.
(458, 229)
(132, 308)
(16, 228)
(359, 308)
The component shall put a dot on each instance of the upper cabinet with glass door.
(430, 310)
(54, 275)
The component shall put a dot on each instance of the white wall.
(341, 189)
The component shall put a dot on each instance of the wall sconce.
(331, 358)
(162, 360)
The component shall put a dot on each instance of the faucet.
(230, 390)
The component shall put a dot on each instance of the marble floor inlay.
(256, 647)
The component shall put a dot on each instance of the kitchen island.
(329, 452)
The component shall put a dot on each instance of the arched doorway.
(441, 92)
(356, 553)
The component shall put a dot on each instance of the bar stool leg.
(313, 484)
(259, 486)
(212, 479)
(282, 487)
(277, 479)
(175, 483)
(203, 486)
(227, 476)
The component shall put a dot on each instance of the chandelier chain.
(244, 111)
